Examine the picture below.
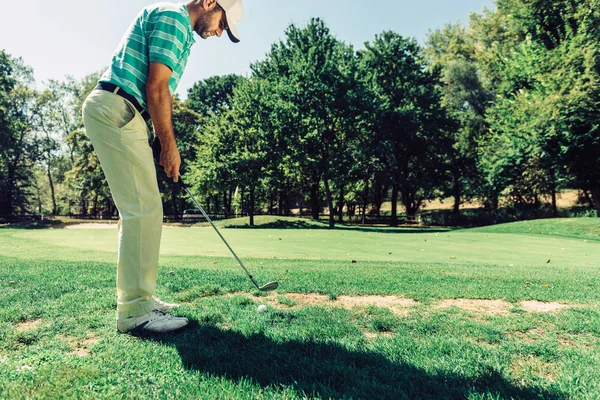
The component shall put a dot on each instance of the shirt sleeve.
(166, 38)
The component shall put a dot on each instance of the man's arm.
(160, 106)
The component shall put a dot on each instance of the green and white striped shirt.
(161, 33)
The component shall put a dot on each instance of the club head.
(269, 286)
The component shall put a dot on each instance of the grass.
(58, 339)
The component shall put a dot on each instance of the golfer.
(138, 87)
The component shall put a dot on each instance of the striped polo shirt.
(161, 33)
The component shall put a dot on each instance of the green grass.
(576, 228)
(64, 280)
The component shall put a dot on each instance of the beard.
(203, 24)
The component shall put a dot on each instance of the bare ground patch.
(478, 306)
(401, 305)
(540, 307)
(28, 325)
(398, 305)
(80, 348)
(374, 335)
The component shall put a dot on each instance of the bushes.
(482, 217)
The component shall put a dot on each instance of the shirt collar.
(189, 26)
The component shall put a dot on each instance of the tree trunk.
(52, 193)
(329, 202)
(251, 206)
(341, 206)
(314, 200)
(394, 205)
(411, 211)
(554, 206)
(174, 207)
(286, 204)
(596, 197)
(365, 200)
(457, 194)
(208, 205)
(83, 205)
(271, 203)
(225, 206)
(95, 207)
(242, 195)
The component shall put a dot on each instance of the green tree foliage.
(411, 128)
(319, 76)
(212, 94)
(466, 101)
(545, 121)
(18, 148)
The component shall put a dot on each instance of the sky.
(77, 37)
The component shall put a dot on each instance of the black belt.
(110, 87)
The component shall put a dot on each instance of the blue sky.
(75, 37)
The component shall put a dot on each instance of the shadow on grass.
(38, 224)
(328, 370)
(315, 225)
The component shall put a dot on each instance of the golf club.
(266, 287)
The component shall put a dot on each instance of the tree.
(411, 128)
(18, 148)
(209, 99)
(317, 75)
(466, 100)
(546, 110)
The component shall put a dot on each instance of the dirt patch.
(538, 306)
(532, 335)
(398, 305)
(28, 325)
(372, 335)
(81, 348)
(477, 306)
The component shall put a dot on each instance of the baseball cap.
(233, 12)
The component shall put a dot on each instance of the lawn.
(509, 311)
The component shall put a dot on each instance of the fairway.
(389, 313)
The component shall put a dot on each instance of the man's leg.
(120, 137)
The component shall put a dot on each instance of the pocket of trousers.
(111, 108)
(132, 116)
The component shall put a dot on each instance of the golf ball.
(262, 308)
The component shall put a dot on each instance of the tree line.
(502, 111)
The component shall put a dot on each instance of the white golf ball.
(262, 308)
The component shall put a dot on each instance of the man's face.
(212, 23)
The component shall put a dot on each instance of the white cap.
(233, 12)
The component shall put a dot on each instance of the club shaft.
(219, 233)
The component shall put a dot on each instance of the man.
(145, 71)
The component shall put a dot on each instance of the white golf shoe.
(163, 306)
(156, 321)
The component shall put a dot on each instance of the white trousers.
(121, 139)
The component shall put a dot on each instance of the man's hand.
(170, 161)
(160, 105)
